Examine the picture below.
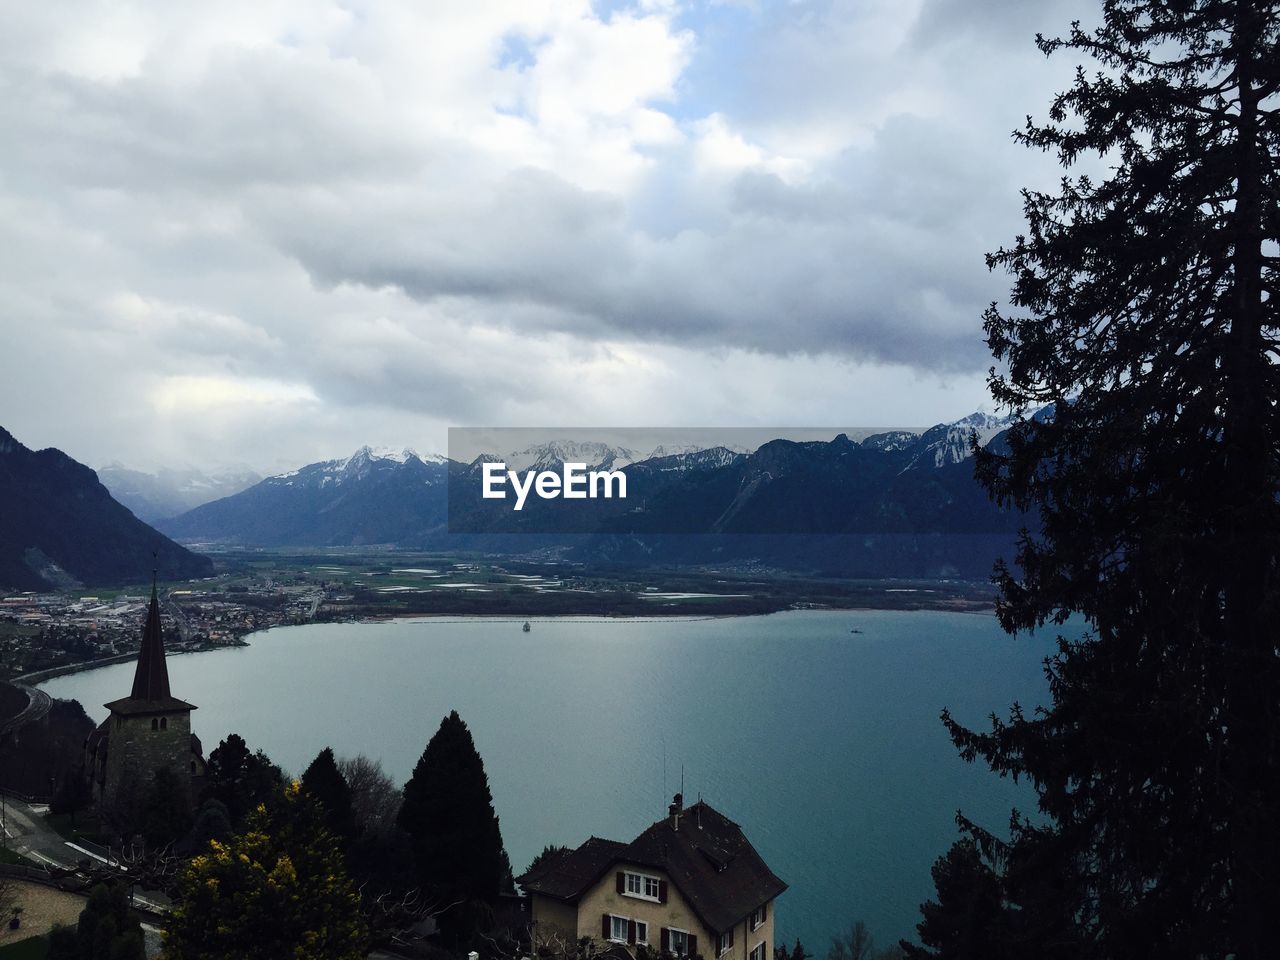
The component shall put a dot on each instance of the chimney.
(677, 805)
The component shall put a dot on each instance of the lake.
(823, 743)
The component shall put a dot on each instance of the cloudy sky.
(264, 233)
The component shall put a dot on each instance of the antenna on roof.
(155, 570)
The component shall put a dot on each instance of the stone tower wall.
(136, 752)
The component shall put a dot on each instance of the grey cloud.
(287, 215)
(781, 270)
(942, 21)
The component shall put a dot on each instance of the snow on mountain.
(682, 449)
(169, 492)
(696, 458)
(550, 455)
(949, 442)
(596, 455)
(362, 463)
(891, 441)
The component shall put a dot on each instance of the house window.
(640, 885)
(618, 929)
(757, 952)
(757, 918)
(680, 943)
(724, 943)
(642, 932)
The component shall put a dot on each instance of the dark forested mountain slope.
(59, 526)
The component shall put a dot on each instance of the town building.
(148, 730)
(689, 885)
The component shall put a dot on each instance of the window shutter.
(693, 945)
(606, 927)
(631, 931)
(621, 882)
(662, 891)
(666, 940)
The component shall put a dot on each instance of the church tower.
(147, 730)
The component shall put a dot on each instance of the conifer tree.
(239, 779)
(325, 782)
(968, 921)
(448, 814)
(1145, 317)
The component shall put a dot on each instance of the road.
(25, 831)
(37, 708)
(180, 618)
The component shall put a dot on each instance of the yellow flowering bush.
(279, 890)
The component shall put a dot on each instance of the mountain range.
(369, 497)
(61, 527)
(893, 504)
(167, 493)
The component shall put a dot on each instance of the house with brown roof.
(689, 885)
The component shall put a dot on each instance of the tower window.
(164, 723)
(155, 724)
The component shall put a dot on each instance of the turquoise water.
(822, 743)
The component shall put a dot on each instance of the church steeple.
(151, 679)
(148, 730)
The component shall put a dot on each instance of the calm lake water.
(822, 743)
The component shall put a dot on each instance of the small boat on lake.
(526, 627)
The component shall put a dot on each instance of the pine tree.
(239, 779)
(448, 814)
(1146, 318)
(324, 781)
(279, 890)
(969, 920)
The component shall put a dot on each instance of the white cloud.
(262, 231)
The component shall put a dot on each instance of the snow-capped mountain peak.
(358, 465)
(949, 442)
(682, 449)
(547, 456)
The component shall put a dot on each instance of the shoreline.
(36, 678)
